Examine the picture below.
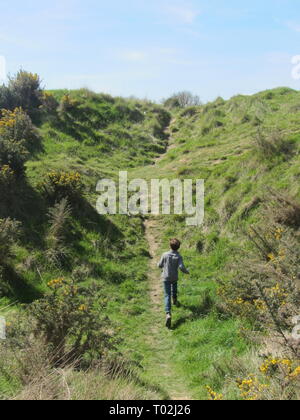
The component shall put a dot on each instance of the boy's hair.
(175, 244)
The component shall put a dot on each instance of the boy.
(170, 263)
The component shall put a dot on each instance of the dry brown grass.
(32, 366)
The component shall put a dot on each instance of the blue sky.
(154, 48)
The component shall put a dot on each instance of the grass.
(236, 176)
(101, 135)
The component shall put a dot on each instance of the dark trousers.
(171, 290)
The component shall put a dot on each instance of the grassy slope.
(214, 142)
(97, 138)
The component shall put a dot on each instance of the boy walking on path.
(170, 263)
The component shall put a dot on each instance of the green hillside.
(247, 150)
(80, 291)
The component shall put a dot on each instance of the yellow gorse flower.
(250, 388)
(64, 179)
(278, 292)
(295, 373)
(273, 362)
(260, 304)
(56, 282)
(278, 234)
(214, 396)
(9, 118)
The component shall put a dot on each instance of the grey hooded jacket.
(170, 263)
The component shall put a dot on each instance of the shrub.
(17, 126)
(264, 284)
(6, 98)
(7, 178)
(58, 216)
(263, 288)
(13, 154)
(182, 100)
(9, 233)
(72, 320)
(282, 209)
(67, 105)
(49, 103)
(26, 91)
(58, 185)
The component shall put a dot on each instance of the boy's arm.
(182, 267)
(161, 262)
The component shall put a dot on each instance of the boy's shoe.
(169, 321)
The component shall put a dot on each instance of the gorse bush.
(265, 286)
(265, 289)
(277, 378)
(26, 91)
(23, 91)
(58, 185)
(49, 103)
(18, 136)
(7, 178)
(17, 126)
(13, 154)
(6, 98)
(72, 320)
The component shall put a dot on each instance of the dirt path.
(170, 145)
(159, 358)
(160, 340)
